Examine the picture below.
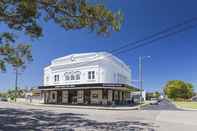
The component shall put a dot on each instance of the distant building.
(87, 78)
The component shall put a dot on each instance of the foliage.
(24, 16)
(17, 55)
(150, 95)
(13, 94)
(3, 94)
(132, 89)
(177, 89)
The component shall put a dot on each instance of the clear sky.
(172, 58)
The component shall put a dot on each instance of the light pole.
(141, 58)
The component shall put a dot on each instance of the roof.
(86, 58)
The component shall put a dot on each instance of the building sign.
(84, 85)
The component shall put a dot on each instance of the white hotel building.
(87, 78)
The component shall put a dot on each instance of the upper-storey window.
(56, 78)
(91, 75)
(67, 77)
(72, 77)
(47, 79)
(78, 73)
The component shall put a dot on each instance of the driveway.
(19, 117)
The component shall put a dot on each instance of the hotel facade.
(88, 79)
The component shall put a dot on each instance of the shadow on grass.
(22, 120)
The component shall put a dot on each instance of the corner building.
(88, 79)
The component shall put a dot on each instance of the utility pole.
(16, 82)
(141, 75)
(140, 78)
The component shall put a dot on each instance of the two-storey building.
(87, 78)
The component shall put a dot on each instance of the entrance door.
(87, 95)
(59, 97)
(72, 96)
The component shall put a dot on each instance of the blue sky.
(172, 58)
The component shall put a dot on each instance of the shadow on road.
(17, 119)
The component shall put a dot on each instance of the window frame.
(56, 78)
(91, 75)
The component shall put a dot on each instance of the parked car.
(154, 101)
(3, 99)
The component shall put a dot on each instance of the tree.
(177, 89)
(13, 94)
(16, 55)
(24, 16)
(20, 56)
(150, 95)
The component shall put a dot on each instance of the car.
(3, 99)
(154, 101)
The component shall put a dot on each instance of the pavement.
(21, 117)
(135, 107)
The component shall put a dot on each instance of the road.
(163, 105)
(19, 117)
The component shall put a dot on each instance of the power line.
(162, 34)
(159, 38)
(156, 34)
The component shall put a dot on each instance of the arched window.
(67, 77)
(72, 77)
(77, 75)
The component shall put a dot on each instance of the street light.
(141, 58)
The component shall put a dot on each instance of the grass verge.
(189, 105)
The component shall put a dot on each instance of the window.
(91, 75)
(66, 76)
(72, 77)
(56, 78)
(53, 96)
(47, 79)
(105, 94)
(78, 77)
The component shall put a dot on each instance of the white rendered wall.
(106, 71)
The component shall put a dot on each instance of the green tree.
(13, 94)
(24, 16)
(177, 89)
(150, 95)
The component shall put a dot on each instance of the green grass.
(191, 105)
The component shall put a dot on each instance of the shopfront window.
(53, 96)
(105, 94)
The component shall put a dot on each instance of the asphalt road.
(21, 117)
(163, 105)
